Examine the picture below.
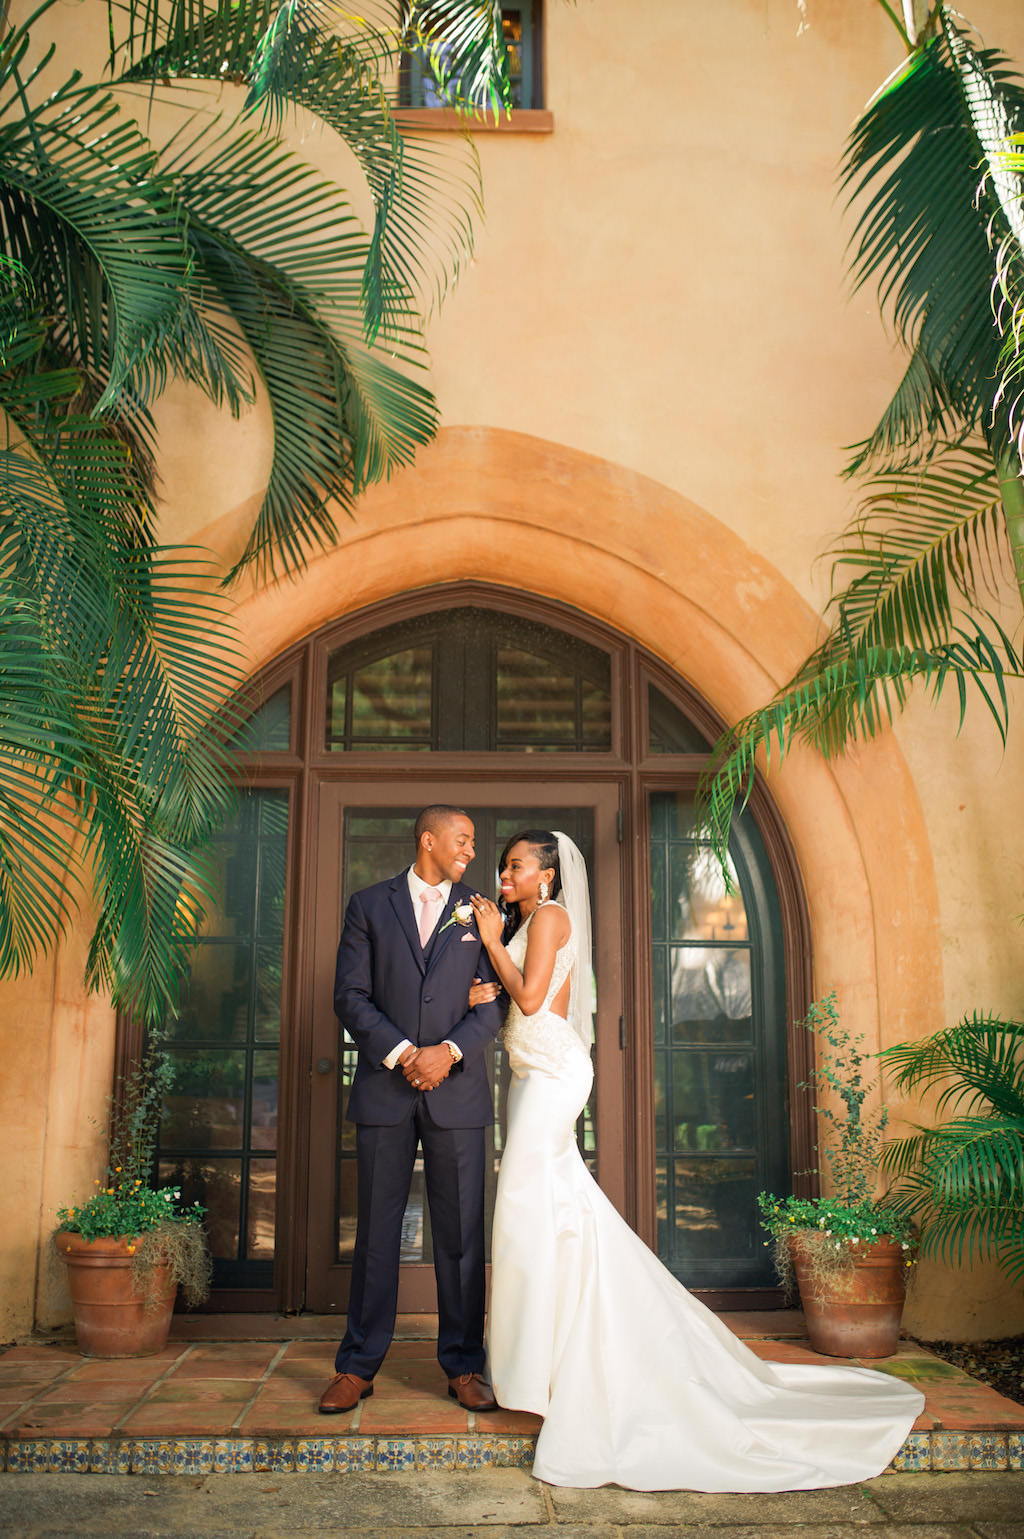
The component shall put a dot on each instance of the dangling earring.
(543, 890)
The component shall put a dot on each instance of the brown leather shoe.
(343, 1393)
(473, 1392)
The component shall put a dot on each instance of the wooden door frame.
(326, 1280)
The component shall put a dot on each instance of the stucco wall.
(646, 377)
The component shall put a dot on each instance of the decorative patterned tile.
(514, 1452)
(352, 1454)
(314, 1455)
(1015, 1450)
(70, 1455)
(110, 1456)
(988, 1450)
(192, 1456)
(233, 1456)
(152, 1456)
(273, 1456)
(28, 1456)
(951, 1450)
(474, 1453)
(395, 1453)
(916, 1453)
(435, 1453)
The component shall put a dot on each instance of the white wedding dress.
(638, 1383)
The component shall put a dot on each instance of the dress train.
(638, 1383)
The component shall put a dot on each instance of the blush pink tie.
(430, 909)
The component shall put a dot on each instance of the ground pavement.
(498, 1504)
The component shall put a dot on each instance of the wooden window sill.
(534, 120)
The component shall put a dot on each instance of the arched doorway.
(525, 712)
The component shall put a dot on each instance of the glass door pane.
(218, 1132)
(719, 1052)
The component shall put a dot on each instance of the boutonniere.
(462, 914)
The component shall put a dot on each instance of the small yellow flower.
(131, 1250)
(117, 1170)
(110, 1191)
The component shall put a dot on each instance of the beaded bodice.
(541, 1040)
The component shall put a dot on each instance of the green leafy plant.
(963, 1180)
(155, 1225)
(832, 1229)
(206, 250)
(920, 573)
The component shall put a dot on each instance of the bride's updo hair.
(545, 846)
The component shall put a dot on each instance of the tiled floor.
(240, 1392)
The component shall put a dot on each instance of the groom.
(406, 962)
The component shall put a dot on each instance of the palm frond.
(915, 160)
(280, 253)
(115, 659)
(86, 211)
(924, 536)
(301, 55)
(842, 695)
(963, 1179)
(978, 1061)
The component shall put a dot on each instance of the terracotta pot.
(112, 1318)
(857, 1313)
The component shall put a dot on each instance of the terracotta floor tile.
(507, 1421)
(308, 1351)
(405, 1416)
(399, 1351)
(764, 1322)
(291, 1421)
(150, 1422)
(200, 1373)
(304, 1368)
(66, 1422)
(29, 1374)
(292, 1391)
(62, 1355)
(920, 1370)
(182, 1394)
(401, 1377)
(138, 1370)
(94, 1392)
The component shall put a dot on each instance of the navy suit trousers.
(454, 1164)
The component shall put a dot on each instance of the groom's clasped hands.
(427, 1067)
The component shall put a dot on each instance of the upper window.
(419, 85)
(469, 679)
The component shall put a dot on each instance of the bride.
(637, 1382)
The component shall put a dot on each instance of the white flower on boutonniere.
(462, 914)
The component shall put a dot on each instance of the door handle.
(324, 1065)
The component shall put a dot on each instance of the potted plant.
(849, 1251)
(131, 1245)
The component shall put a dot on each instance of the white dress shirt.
(416, 886)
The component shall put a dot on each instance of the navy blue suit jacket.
(386, 989)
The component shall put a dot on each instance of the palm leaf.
(842, 695)
(86, 212)
(964, 1178)
(106, 761)
(304, 56)
(924, 536)
(916, 158)
(279, 252)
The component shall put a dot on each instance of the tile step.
(922, 1451)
